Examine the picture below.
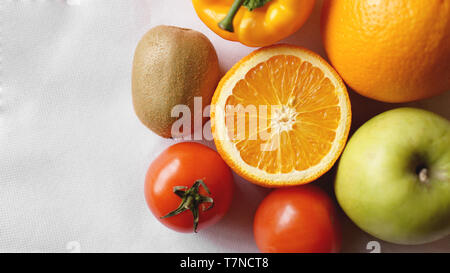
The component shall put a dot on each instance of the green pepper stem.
(227, 22)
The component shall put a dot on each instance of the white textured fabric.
(73, 155)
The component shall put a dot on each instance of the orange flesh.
(302, 115)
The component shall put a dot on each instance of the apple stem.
(423, 175)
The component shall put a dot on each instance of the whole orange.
(389, 50)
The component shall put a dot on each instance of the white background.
(73, 155)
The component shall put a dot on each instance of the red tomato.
(298, 219)
(173, 185)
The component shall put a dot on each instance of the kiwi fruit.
(171, 67)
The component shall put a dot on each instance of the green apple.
(393, 178)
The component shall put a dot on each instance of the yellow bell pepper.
(254, 22)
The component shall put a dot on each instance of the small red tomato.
(189, 187)
(299, 219)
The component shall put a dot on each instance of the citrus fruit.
(280, 116)
(392, 51)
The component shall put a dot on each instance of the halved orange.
(281, 116)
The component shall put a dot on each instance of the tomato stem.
(227, 22)
(191, 200)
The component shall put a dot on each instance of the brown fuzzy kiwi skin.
(171, 66)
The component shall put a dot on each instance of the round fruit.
(281, 116)
(299, 219)
(189, 184)
(171, 67)
(393, 178)
(392, 51)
